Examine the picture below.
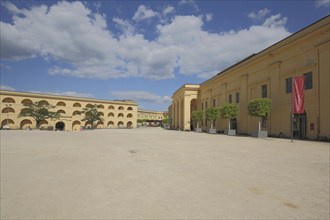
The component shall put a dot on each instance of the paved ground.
(158, 174)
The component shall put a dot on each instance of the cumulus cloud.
(70, 33)
(192, 3)
(5, 87)
(168, 10)
(259, 15)
(209, 17)
(141, 96)
(143, 13)
(322, 3)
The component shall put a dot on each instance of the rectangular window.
(202, 105)
(237, 97)
(308, 80)
(213, 102)
(230, 98)
(264, 122)
(264, 91)
(206, 105)
(288, 85)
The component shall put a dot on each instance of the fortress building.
(115, 114)
(268, 74)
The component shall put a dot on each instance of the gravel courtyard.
(151, 173)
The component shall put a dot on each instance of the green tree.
(140, 121)
(259, 108)
(211, 115)
(197, 116)
(92, 115)
(166, 121)
(38, 112)
(229, 111)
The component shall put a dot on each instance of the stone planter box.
(230, 132)
(259, 134)
(212, 131)
(198, 130)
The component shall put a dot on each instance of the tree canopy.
(229, 111)
(38, 112)
(197, 116)
(259, 107)
(92, 114)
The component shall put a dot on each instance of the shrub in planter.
(212, 114)
(260, 108)
(229, 111)
(197, 117)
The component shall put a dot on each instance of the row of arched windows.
(60, 103)
(111, 114)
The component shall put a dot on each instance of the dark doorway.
(59, 126)
(233, 123)
(299, 126)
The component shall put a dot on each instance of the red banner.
(298, 94)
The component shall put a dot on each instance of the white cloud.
(261, 14)
(209, 17)
(143, 13)
(168, 10)
(322, 3)
(65, 93)
(72, 34)
(192, 3)
(141, 96)
(5, 87)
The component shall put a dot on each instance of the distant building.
(268, 74)
(115, 114)
(152, 118)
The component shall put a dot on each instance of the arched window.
(89, 105)
(100, 106)
(99, 124)
(76, 125)
(120, 108)
(43, 102)
(76, 113)
(111, 114)
(120, 124)
(8, 100)
(60, 104)
(101, 113)
(120, 115)
(129, 108)
(26, 102)
(111, 107)
(77, 105)
(25, 124)
(62, 112)
(129, 124)
(8, 110)
(111, 124)
(129, 115)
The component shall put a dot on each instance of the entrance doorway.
(233, 123)
(299, 126)
(59, 126)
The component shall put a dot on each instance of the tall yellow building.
(115, 114)
(268, 74)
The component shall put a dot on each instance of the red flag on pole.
(298, 94)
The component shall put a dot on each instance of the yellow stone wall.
(115, 113)
(306, 51)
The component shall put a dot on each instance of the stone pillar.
(274, 126)
(243, 102)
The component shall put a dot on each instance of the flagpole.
(292, 100)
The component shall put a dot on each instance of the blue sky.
(140, 50)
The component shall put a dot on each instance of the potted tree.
(229, 111)
(197, 117)
(211, 115)
(260, 108)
